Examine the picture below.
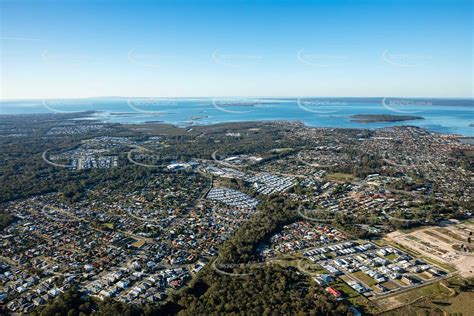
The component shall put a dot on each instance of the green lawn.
(109, 225)
(391, 256)
(345, 289)
(364, 278)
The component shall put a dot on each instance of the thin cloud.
(24, 39)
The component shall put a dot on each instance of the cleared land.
(449, 245)
(340, 177)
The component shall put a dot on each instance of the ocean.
(454, 116)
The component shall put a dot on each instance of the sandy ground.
(437, 242)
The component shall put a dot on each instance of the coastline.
(106, 117)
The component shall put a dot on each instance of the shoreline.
(98, 117)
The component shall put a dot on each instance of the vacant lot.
(442, 244)
(432, 291)
(364, 278)
(340, 177)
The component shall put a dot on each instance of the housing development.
(371, 220)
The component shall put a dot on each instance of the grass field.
(364, 278)
(460, 305)
(340, 177)
(301, 263)
(109, 225)
(345, 289)
(435, 290)
(438, 300)
(390, 285)
(391, 256)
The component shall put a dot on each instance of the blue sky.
(52, 49)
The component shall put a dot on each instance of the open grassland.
(434, 291)
(457, 304)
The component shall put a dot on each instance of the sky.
(71, 49)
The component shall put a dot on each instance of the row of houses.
(232, 198)
(375, 263)
(266, 183)
(301, 235)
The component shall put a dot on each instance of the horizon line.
(242, 96)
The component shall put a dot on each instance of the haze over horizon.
(240, 97)
(336, 48)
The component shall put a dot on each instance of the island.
(378, 118)
(198, 117)
(243, 103)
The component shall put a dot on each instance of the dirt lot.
(440, 244)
